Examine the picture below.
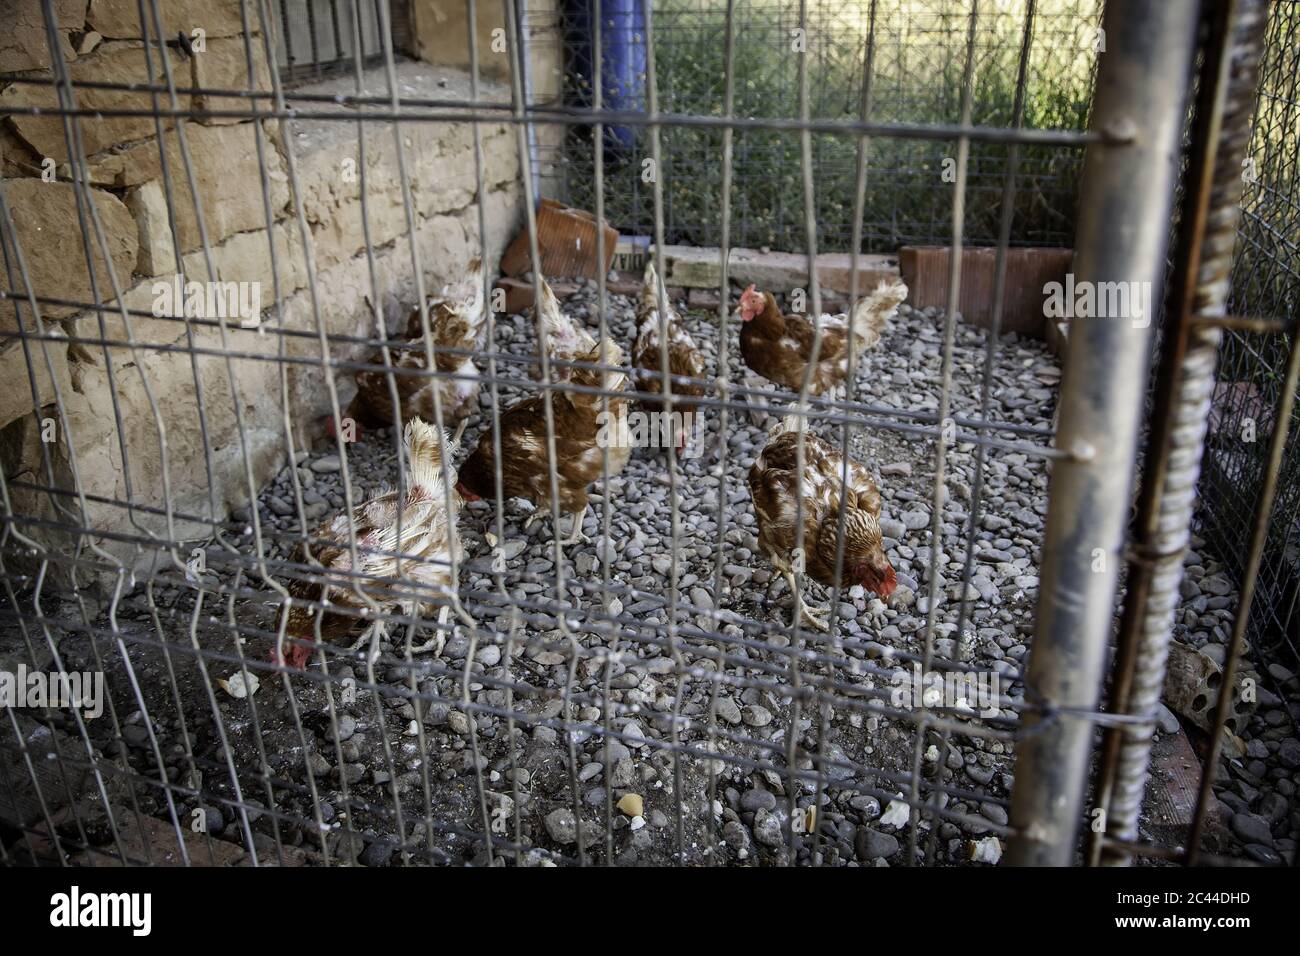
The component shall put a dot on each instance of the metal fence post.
(1180, 416)
(1125, 204)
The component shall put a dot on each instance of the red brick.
(566, 244)
(925, 270)
(702, 299)
(519, 293)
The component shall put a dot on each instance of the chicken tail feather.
(424, 451)
(650, 288)
(607, 353)
(654, 297)
(872, 313)
(473, 303)
(463, 297)
(793, 422)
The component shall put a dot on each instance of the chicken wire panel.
(359, 661)
(918, 55)
(1264, 282)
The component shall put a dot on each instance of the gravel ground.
(362, 752)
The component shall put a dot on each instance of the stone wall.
(130, 427)
(441, 34)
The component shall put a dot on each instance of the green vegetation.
(920, 55)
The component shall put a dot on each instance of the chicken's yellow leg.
(576, 535)
(373, 634)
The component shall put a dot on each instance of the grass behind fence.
(920, 52)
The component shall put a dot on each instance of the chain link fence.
(1265, 285)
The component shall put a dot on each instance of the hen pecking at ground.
(776, 486)
(456, 324)
(684, 358)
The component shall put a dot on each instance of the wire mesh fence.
(314, 565)
(917, 67)
(1253, 362)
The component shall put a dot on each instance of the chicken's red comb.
(296, 657)
(888, 583)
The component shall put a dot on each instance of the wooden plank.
(1172, 789)
(698, 267)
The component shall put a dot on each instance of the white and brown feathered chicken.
(566, 340)
(776, 486)
(456, 323)
(684, 358)
(427, 547)
(779, 347)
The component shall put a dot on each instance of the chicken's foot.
(575, 534)
(435, 643)
(815, 617)
(373, 634)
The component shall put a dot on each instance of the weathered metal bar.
(440, 112)
(1180, 418)
(1126, 199)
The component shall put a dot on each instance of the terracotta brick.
(626, 284)
(925, 270)
(702, 299)
(566, 244)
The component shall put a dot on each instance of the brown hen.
(775, 486)
(456, 322)
(779, 347)
(684, 358)
(581, 434)
(565, 339)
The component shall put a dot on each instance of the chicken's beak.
(746, 310)
(882, 582)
